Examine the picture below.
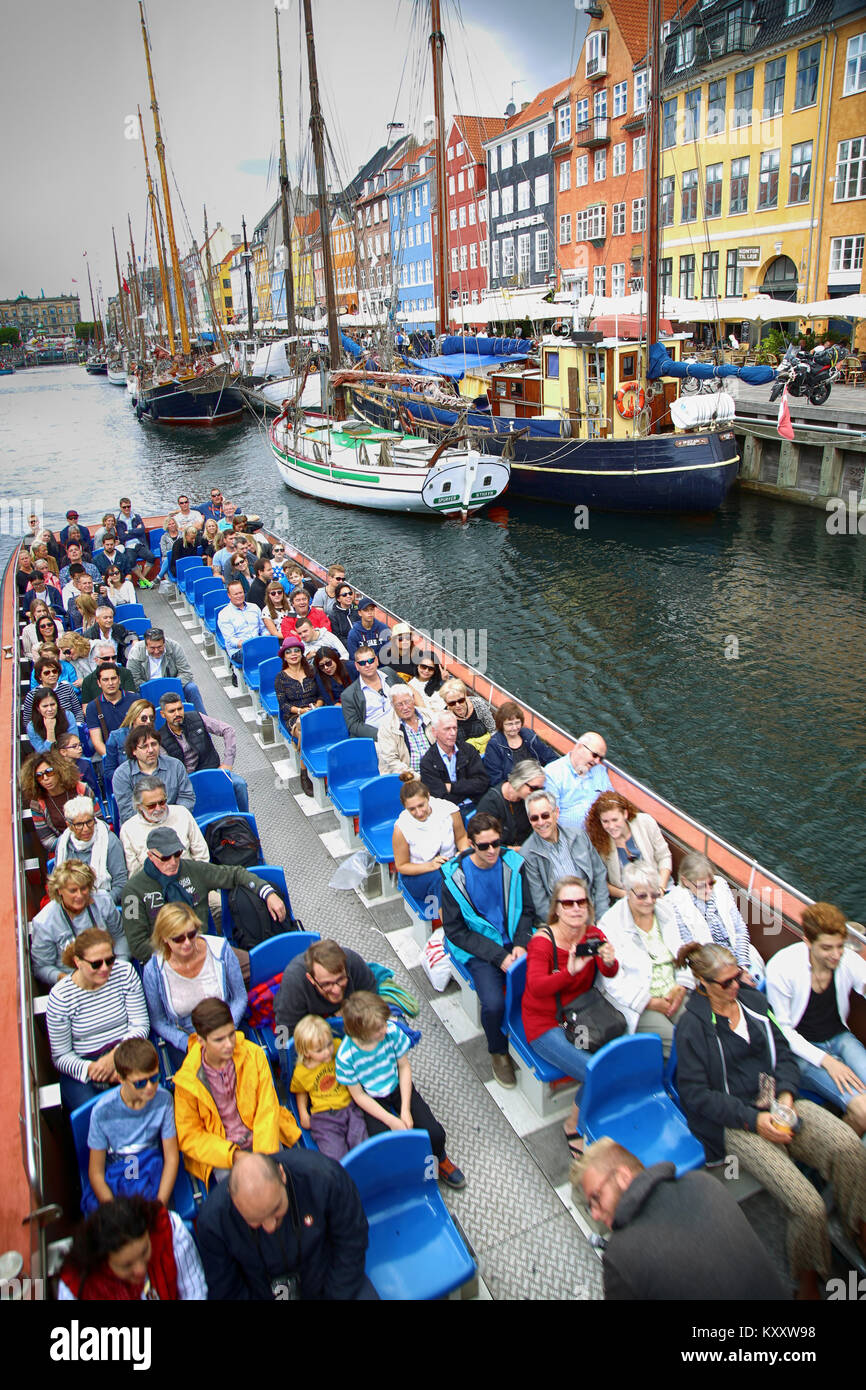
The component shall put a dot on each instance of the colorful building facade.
(467, 207)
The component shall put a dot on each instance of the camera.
(588, 948)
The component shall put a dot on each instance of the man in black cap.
(169, 878)
(368, 631)
(72, 519)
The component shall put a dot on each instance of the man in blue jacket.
(487, 917)
(284, 1228)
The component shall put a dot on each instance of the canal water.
(722, 658)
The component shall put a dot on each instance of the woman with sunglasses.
(474, 715)
(140, 712)
(561, 965)
(428, 680)
(706, 910)
(344, 613)
(118, 590)
(75, 653)
(277, 607)
(738, 1082)
(47, 720)
(297, 690)
(186, 967)
(74, 904)
(90, 1010)
(32, 635)
(48, 780)
(621, 833)
(331, 674)
(649, 988)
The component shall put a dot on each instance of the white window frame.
(638, 214)
(542, 250)
(541, 190)
(855, 66)
(523, 195)
(565, 176)
(618, 162)
(563, 121)
(620, 99)
(850, 159)
(581, 171)
(565, 229)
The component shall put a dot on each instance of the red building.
(466, 182)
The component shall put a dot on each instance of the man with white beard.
(152, 809)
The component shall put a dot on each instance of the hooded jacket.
(176, 1029)
(717, 1071)
(469, 933)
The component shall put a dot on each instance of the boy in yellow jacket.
(224, 1097)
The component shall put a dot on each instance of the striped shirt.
(375, 1070)
(84, 1022)
(67, 699)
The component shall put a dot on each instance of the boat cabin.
(599, 385)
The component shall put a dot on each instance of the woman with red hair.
(621, 833)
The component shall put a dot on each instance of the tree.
(87, 331)
(10, 336)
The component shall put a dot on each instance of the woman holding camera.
(562, 961)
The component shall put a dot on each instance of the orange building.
(841, 210)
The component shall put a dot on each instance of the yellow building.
(748, 110)
(841, 208)
(221, 288)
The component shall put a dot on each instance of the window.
(690, 196)
(542, 140)
(464, 256)
(581, 111)
(797, 7)
(452, 222)
(774, 88)
(617, 279)
(426, 231)
(542, 190)
(599, 105)
(494, 163)
(523, 196)
(454, 258)
(494, 203)
(565, 229)
(617, 221)
(470, 176)
(733, 275)
(740, 185)
(451, 184)
(744, 85)
(461, 216)
(495, 267)
(507, 201)
(806, 87)
(638, 214)
(716, 107)
(551, 365)
(685, 47)
(618, 160)
(599, 280)
(620, 99)
(855, 66)
(376, 214)
(471, 212)
(666, 276)
(482, 210)
(522, 148)
(850, 169)
(710, 275)
(565, 176)
(768, 183)
(581, 282)
(564, 121)
(669, 124)
(638, 152)
(461, 182)
(846, 253)
(542, 250)
(640, 89)
(482, 253)
(506, 155)
(599, 165)
(687, 277)
(591, 223)
(596, 52)
(450, 153)
(801, 172)
(473, 256)
(523, 253)
(692, 121)
(581, 170)
(508, 256)
(666, 202)
(459, 148)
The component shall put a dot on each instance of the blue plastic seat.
(137, 625)
(350, 764)
(184, 566)
(268, 672)
(128, 610)
(515, 983)
(459, 965)
(154, 537)
(204, 821)
(379, 805)
(159, 718)
(414, 1249)
(187, 1192)
(274, 874)
(253, 653)
(271, 958)
(161, 685)
(204, 584)
(214, 601)
(624, 1098)
(214, 793)
(320, 730)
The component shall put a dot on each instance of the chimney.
(523, 105)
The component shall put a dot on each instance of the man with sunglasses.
(167, 877)
(577, 778)
(551, 852)
(326, 596)
(487, 917)
(152, 809)
(367, 701)
(214, 509)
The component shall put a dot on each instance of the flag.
(74, 281)
(783, 425)
(125, 286)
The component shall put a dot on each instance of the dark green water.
(723, 659)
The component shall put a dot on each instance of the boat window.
(517, 389)
(627, 367)
(501, 388)
(487, 480)
(446, 487)
(551, 365)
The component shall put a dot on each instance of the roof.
(541, 105)
(631, 20)
(715, 39)
(476, 129)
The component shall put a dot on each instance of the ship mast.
(157, 236)
(437, 44)
(93, 306)
(317, 128)
(121, 302)
(651, 257)
(166, 199)
(136, 291)
(288, 274)
(247, 276)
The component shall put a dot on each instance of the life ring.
(632, 389)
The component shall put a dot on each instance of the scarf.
(68, 847)
(171, 889)
(103, 1285)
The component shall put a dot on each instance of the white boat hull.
(117, 378)
(286, 388)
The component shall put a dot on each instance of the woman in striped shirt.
(89, 1012)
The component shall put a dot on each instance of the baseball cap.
(72, 516)
(400, 630)
(164, 840)
(365, 603)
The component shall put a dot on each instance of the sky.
(72, 73)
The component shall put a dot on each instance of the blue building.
(412, 197)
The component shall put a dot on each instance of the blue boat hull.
(662, 473)
(167, 405)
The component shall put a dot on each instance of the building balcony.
(636, 122)
(589, 135)
(596, 68)
(734, 35)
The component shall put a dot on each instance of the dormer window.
(685, 47)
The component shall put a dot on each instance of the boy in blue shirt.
(373, 1065)
(132, 1137)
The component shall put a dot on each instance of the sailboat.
(605, 437)
(354, 463)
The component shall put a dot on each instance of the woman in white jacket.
(809, 988)
(706, 911)
(621, 833)
(648, 989)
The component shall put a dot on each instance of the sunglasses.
(46, 772)
(184, 936)
(326, 661)
(426, 666)
(572, 902)
(167, 858)
(542, 815)
(487, 844)
(452, 704)
(596, 757)
(365, 661)
(726, 984)
(645, 897)
(146, 1081)
(104, 962)
(155, 805)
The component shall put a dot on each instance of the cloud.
(259, 168)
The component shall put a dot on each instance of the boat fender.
(405, 419)
(634, 391)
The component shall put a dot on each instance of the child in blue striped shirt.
(373, 1063)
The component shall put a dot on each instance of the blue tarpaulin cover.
(493, 347)
(660, 364)
(351, 346)
(456, 365)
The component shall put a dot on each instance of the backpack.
(252, 921)
(230, 840)
(260, 1000)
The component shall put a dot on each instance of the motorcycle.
(807, 374)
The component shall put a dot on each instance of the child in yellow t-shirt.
(336, 1123)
